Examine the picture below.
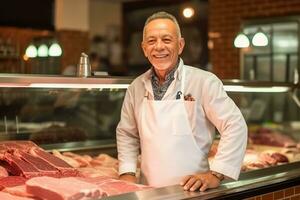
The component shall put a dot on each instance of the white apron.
(168, 148)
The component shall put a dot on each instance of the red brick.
(258, 198)
(297, 190)
(295, 197)
(289, 192)
(268, 196)
(278, 194)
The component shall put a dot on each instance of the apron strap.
(182, 82)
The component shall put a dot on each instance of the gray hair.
(163, 15)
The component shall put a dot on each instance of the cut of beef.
(61, 188)
(19, 190)
(7, 196)
(23, 145)
(27, 159)
(76, 188)
(272, 138)
(279, 157)
(99, 171)
(44, 167)
(62, 166)
(12, 181)
(16, 166)
(109, 186)
(72, 162)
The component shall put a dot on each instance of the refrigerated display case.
(80, 115)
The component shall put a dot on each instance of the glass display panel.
(48, 116)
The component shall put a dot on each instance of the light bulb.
(55, 50)
(260, 39)
(31, 51)
(188, 12)
(241, 41)
(42, 51)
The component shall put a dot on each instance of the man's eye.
(167, 40)
(151, 41)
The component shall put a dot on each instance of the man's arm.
(227, 118)
(128, 142)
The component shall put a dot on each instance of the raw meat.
(83, 161)
(109, 186)
(99, 171)
(19, 190)
(269, 137)
(43, 167)
(76, 188)
(62, 166)
(256, 160)
(72, 162)
(27, 159)
(11, 181)
(24, 145)
(3, 172)
(17, 167)
(7, 196)
(279, 157)
(61, 188)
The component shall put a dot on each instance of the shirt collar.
(177, 73)
(169, 75)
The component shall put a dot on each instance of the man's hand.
(128, 178)
(200, 182)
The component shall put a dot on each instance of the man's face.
(161, 44)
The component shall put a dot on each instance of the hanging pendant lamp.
(260, 39)
(241, 41)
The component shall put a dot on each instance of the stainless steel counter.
(249, 182)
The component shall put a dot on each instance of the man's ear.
(144, 49)
(181, 45)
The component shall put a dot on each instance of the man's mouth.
(160, 56)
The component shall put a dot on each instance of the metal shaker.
(84, 66)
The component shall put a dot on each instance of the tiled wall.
(292, 193)
(225, 19)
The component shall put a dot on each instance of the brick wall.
(292, 193)
(72, 43)
(225, 19)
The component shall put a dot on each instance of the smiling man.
(169, 115)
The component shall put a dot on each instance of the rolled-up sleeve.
(227, 118)
(127, 136)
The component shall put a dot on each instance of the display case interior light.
(273, 89)
(241, 41)
(55, 50)
(31, 51)
(260, 39)
(228, 88)
(42, 51)
(78, 86)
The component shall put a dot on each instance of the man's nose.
(159, 45)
